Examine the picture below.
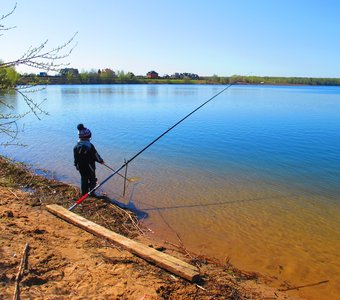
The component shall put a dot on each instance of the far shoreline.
(193, 84)
(94, 79)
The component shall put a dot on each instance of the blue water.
(252, 153)
(287, 133)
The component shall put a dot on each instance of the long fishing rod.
(82, 198)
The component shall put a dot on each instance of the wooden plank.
(161, 259)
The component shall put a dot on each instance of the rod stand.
(125, 177)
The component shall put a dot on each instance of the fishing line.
(81, 199)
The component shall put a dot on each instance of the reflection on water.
(254, 176)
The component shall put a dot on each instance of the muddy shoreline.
(65, 262)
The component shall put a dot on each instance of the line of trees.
(118, 77)
(284, 80)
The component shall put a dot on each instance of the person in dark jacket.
(85, 158)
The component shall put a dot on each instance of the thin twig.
(303, 286)
(201, 287)
(133, 222)
(15, 195)
(22, 267)
(182, 247)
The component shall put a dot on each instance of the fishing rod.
(82, 198)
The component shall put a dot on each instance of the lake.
(253, 177)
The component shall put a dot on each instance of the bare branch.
(6, 129)
(35, 108)
(6, 104)
(8, 14)
(50, 60)
(2, 27)
(39, 57)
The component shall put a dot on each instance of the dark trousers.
(88, 181)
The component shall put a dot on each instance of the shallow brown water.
(293, 237)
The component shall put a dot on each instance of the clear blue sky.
(262, 37)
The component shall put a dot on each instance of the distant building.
(108, 71)
(152, 74)
(184, 76)
(67, 71)
(42, 74)
(175, 76)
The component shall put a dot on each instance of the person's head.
(83, 132)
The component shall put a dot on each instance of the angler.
(85, 158)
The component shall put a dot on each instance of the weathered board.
(158, 258)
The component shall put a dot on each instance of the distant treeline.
(129, 78)
(238, 79)
(284, 80)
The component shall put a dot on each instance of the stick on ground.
(23, 264)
